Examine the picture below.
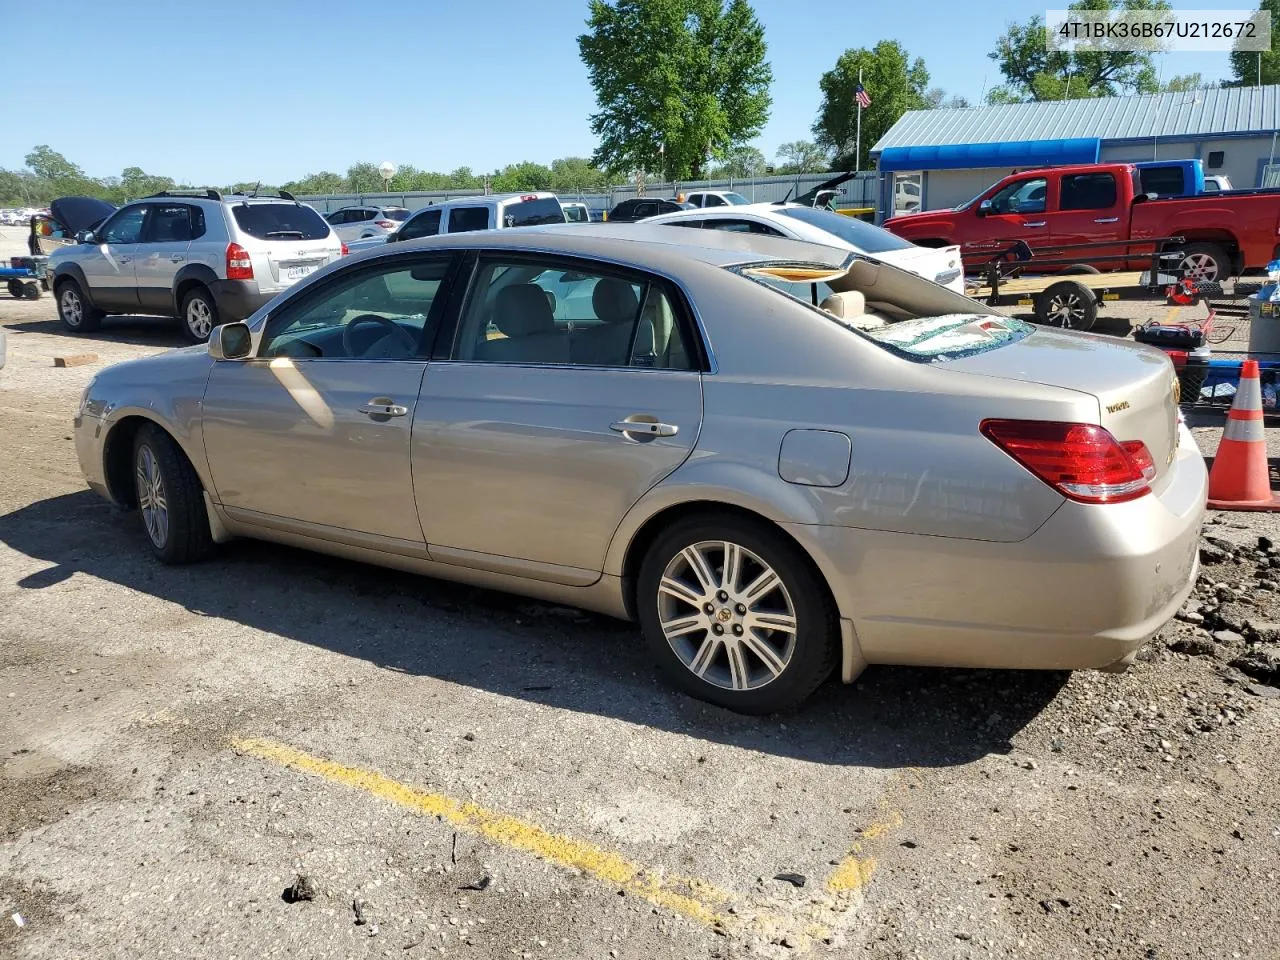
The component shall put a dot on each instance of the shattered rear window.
(950, 337)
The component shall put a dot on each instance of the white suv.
(355, 223)
(199, 256)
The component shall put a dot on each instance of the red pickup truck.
(1222, 232)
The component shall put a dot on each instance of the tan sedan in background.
(777, 456)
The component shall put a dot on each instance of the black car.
(638, 208)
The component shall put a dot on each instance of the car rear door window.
(280, 221)
(170, 223)
(466, 219)
(426, 224)
(561, 313)
(742, 226)
(1088, 191)
(714, 201)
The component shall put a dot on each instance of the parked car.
(778, 456)
(816, 225)
(715, 198)
(67, 218)
(576, 211)
(203, 257)
(641, 208)
(356, 223)
(464, 214)
(1097, 203)
(1217, 184)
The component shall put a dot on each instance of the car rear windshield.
(867, 237)
(529, 213)
(395, 213)
(280, 221)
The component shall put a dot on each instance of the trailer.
(1070, 296)
(25, 277)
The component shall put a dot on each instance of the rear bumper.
(1084, 591)
(237, 299)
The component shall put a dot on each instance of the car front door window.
(125, 226)
(1024, 196)
(423, 225)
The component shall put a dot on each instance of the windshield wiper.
(285, 233)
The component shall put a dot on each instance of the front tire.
(74, 310)
(736, 615)
(199, 315)
(170, 499)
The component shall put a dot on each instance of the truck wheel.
(1204, 262)
(1067, 304)
(1079, 268)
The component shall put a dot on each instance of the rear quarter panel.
(1248, 223)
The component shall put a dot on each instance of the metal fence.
(862, 191)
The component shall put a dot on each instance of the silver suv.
(201, 256)
(353, 223)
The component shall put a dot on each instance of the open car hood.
(80, 213)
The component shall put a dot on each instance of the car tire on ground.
(199, 315)
(1204, 262)
(31, 290)
(170, 499)
(74, 310)
(1068, 304)
(736, 614)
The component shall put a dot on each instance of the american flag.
(861, 96)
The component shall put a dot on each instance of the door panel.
(110, 272)
(1088, 211)
(1017, 212)
(297, 439)
(161, 254)
(522, 462)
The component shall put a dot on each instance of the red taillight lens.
(345, 249)
(1082, 461)
(239, 266)
(384, 224)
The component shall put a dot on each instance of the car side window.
(423, 225)
(379, 312)
(1021, 196)
(743, 226)
(169, 223)
(688, 222)
(548, 313)
(466, 219)
(125, 226)
(1088, 191)
(337, 217)
(714, 201)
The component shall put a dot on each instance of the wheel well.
(185, 287)
(655, 525)
(117, 456)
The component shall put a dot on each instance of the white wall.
(950, 188)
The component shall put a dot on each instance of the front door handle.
(382, 408)
(124, 259)
(645, 428)
(177, 258)
(1038, 223)
(1107, 220)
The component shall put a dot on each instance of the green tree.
(47, 164)
(1034, 72)
(323, 182)
(1244, 63)
(676, 81)
(895, 84)
(742, 163)
(802, 156)
(515, 177)
(937, 99)
(364, 178)
(571, 175)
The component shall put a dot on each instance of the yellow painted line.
(694, 899)
(854, 872)
(1173, 313)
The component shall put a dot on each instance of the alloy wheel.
(1199, 266)
(1066, 310)
(199, 318)
(151, 496)
(72, 307)
(727, 615)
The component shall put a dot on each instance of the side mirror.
(231, 341)
(984, 208)
(85, 236)
(393, 237)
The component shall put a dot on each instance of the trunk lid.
(1135, 385)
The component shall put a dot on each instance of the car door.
(312, 434)
(1018, 211)
(424, 224)
(159, 256)
(1088, 211)
(539, 426)
(109, 270)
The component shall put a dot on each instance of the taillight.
(384, 224)
(239, 266)
(1082, 461)
(345, 248)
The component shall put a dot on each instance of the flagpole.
(857, 142)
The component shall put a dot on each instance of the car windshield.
(283, 220)
(529, 213)
(865, 236)
(916, 319)
(735, 199)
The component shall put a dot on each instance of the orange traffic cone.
(1239, 479)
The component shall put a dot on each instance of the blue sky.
(217, 93)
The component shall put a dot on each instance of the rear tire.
(74, 310)
(755, 652)
(199, 315)
(1204, 262)
(31, 290)
(170, 499)
(1067, 304)
(1080, 268)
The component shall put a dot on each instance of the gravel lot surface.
(275, 754)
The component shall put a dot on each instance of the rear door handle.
(645, 428)
(1038, 223)
(1107, 220)
(384, 409)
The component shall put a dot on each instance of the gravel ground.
(177, 746)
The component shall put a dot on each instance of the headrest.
(615, 300)
(523, 310)
(851, 303)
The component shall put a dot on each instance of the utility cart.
(25, 277)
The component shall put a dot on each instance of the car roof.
(647, 247)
